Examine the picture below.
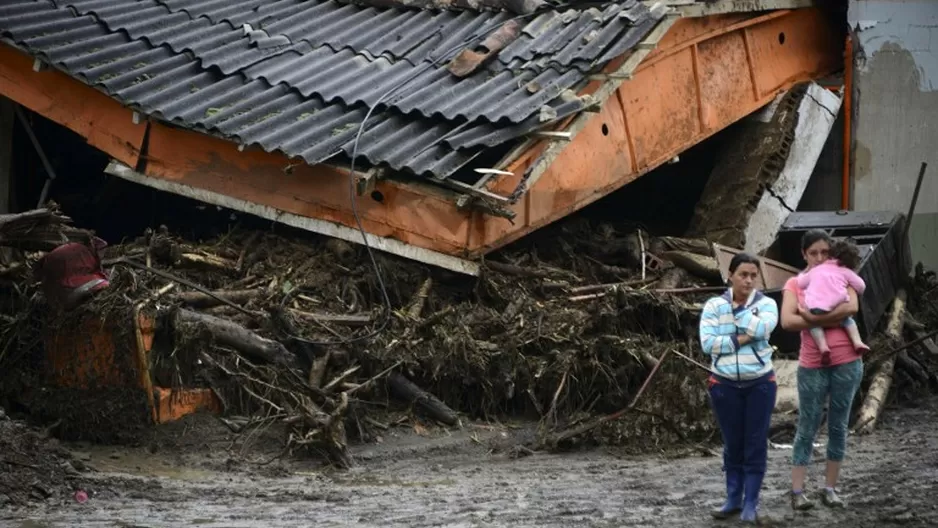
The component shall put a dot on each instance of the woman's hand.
(810, 318)
(743, 339)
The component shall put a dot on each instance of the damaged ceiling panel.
(299, 76)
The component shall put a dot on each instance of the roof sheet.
(298, 76)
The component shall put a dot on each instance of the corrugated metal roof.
(301, 77)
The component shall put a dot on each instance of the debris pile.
(271, 323)
(584, 320)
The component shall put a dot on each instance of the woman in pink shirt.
(825, 287)
(838, 381)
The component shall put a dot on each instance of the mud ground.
(196, 473)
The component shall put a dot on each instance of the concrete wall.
(825, 187)
(897, 112)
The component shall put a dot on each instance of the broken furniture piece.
(103, 366)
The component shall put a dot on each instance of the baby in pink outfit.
(825, 288)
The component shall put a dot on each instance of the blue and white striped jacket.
(720, 325)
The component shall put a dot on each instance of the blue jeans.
(744, 412)
(814, 386)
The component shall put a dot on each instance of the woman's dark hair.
(814, 236)
(846, 253)
(742, 258)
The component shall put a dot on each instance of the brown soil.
(33, 466)
(429, 477)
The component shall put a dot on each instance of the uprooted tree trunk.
(882, 379)
(315, 419)
(239, 338)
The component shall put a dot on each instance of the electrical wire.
(353, 199)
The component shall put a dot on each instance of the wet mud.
(422, 476)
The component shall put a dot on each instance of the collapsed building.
(439, 134)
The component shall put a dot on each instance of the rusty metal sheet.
(772, 274)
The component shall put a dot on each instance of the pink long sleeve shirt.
(825, 285)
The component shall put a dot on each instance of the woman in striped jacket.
(734, 331)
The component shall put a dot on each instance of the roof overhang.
(694, 80)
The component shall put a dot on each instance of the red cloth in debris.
(71, 266)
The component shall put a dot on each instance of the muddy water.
(890, 479)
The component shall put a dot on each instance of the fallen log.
(406, 390)
(239, 338)
(201, 300)
(882, 379)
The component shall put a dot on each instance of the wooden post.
(882, 379)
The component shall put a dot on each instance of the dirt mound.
(34, 467)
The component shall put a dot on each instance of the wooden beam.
(315, 225)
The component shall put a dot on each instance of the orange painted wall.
(705, 75)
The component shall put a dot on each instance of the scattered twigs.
(202, 300)
(921, 338)
(374, 378)
(556, 439)
(175, 278)
(552, 411)
(611, 286)
(341, 377)
(692, 361)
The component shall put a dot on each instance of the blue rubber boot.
(734, 496)
(752, 486)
